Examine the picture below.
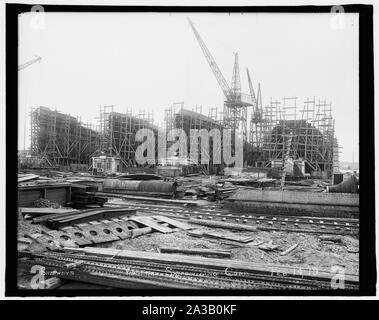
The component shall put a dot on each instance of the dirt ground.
(310, 253)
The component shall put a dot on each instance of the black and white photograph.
(177, 150)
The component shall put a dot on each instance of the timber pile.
(86, 200)
(27, 177)
(60, 220)
(152, 199)
(84, 196)
(211, 192)
(161, 223)
(38, 212)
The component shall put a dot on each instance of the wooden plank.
(36, 212)
(89, 215)
(223, 225)
(268, 246)
(141, 231)
(289, 249)
(175, 223)
(43, 219)
(196, 233)
(149, 222)
(330, 238)
(204, 252)
(27, 177)
(118, 195)
(230, 236)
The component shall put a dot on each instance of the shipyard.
(247, 194)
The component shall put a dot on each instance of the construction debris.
(150, 215)
(151, 199)
(89, 185)
(37, 212)
(86, 200)
(211, 192)
(330, 238)
(58, 221)
(140, 232)
(59, 193)
(96, 226)
(224, 236)
(139, 187)
(350, 185)
(45, 203)
(84, 234)
(314, 204)
(268, 246)
(201, 252)
(152, 223)
(27, 177)
(290, 249)
(223, 225)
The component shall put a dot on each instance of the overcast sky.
(147, 61)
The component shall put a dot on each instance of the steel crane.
(252, 92)
(29, 63)
(232, 93)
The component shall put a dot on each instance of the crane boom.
(236, 79)
(29, 63)
(252, 93)
(259, 99)
(212, 63)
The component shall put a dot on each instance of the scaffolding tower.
(176, 116)
(312, 131)
(118, 132)
(61, 139)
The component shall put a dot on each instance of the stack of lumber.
(38, 212)
(60, 220)
(84, 196)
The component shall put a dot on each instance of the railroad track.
(338, 226)
(122, 272)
